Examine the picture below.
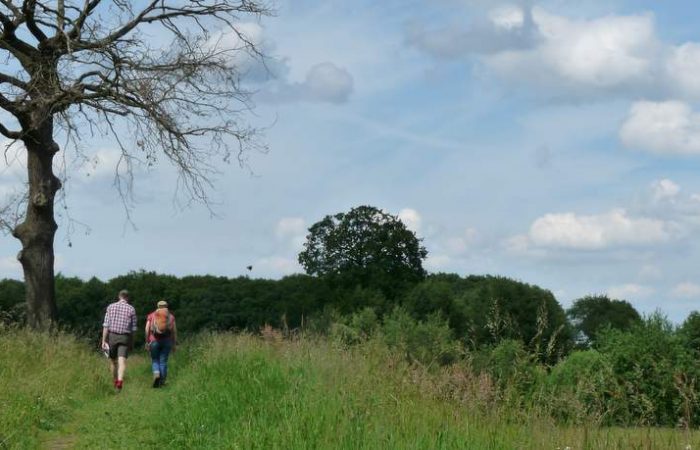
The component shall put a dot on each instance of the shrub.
(344, 334)
(321, 322)
(428, 342)
(515, 371)
(647, 361)
(583, 388)
(365, 322)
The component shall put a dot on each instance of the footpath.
(109, 421)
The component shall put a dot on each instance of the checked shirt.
(120, 318)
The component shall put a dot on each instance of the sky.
(554, 142)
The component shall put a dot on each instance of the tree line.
(480, 310)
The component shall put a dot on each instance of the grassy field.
(237, 391)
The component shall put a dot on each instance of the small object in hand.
(105, 349)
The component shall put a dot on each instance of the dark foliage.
(483, 310)
(592, 314)
(364, 247)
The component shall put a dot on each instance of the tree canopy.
(592, 314)
(364, 247)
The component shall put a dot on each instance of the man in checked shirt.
(118, 332)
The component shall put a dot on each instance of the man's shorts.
(118, 345)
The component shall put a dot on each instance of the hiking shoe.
(157, 383)
(118, 385)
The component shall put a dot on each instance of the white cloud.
(607, 52)
(324, 82)
(664, 190)
(411, 218)
(292, 230)
(102, 163)
(505, 28)
(276, 266)
(248, 33)
(517, 244)
(239, 44)
(611, 54)
(460, 244)
(686, 290)
(437, 263)
(630, 291)
(683, 69)
(290, 227)
(663, 215)
(667, 200)
(670, 127)
(595, 232)
(508, 17)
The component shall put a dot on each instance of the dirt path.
(137, 389)
(60, 443)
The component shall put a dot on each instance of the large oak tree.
(153, 73)
(364, 247)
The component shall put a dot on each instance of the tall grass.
(240, 391)
(42, 379)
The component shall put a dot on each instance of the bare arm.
(147, 329)
(133, 331)
(105, 327)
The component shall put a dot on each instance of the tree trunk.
(39, 228)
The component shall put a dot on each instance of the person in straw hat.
(161, 339)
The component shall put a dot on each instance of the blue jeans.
(160, 350)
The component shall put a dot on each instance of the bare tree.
(150, 72)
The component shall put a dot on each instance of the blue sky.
(555, 142)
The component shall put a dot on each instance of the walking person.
(161, 339)
(118, 331)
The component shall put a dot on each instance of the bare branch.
(60, 14)
(184, 103)
(4, 78)
(29, 10)
(222, 10)
(11, 211)
(88, 7)
(121, 31)
(9, 4)
(9, 133)
(8, 105)
(9, 41)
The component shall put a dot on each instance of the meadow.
(264, 391)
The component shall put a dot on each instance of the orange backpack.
(161, 325)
